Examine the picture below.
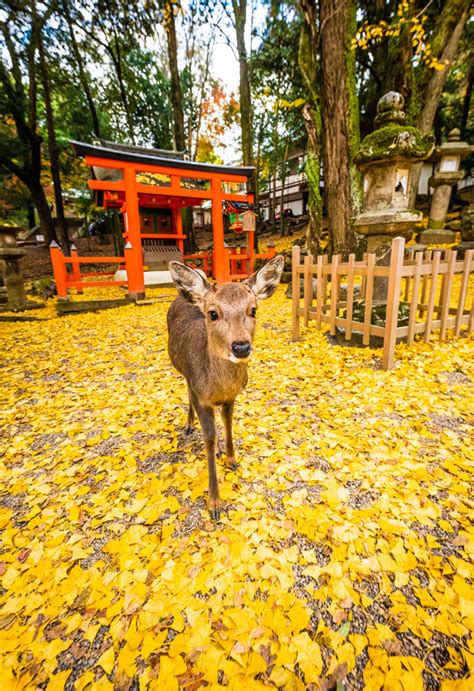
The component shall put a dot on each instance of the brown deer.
(211, 329)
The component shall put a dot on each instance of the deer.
(211, 329)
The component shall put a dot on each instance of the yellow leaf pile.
(344, 552)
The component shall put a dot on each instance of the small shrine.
(150, 190)
(386, 159)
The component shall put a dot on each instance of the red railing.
(241, 266)
(77, 279)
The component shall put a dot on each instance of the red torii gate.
(179, 183)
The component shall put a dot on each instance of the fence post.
(319, 291)
(334, 294)
(393, 301)
(59, 269)
(76, 269)
(414, 296)
(295, 279)
(432, 296)
(463, 292)
(369, 290)
(446, 294)
(350, 296)
(308, 287)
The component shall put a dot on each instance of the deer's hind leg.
(189, 429)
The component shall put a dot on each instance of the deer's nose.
(241, 349)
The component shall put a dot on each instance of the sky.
(225, 67)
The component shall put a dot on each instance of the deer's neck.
(225, 380)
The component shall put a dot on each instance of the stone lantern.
(386, 158)
(12, 290)
(447, 173)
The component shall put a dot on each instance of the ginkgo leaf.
(345, 543)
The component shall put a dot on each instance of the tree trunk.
(176, 92)
(179, 135)
(273, 204)
(430, 82)
(44, 212)
(312, 119)
(82, 72)
(52, 144)
(30, 209)
(240, 15)
(282, 192)
(117, 60)
(339, 113)
(466, 106)
(24, 115)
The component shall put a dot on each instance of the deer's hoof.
(215, 509)
(188, 429)
(232, 464)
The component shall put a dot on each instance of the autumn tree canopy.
(147, 74)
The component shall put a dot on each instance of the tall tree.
(308, 63)
(340, 121)
(175, 81)
(430, 82)
(21, 154)
(240, 19)
(83, 77)
(335, 22)
(38, 28)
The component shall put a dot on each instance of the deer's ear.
(264, 282)
(191, 285)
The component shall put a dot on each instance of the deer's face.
(230, 311)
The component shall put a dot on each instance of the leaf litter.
(344, 555)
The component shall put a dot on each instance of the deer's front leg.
(189, 425)
(208, 425)
(227, 413)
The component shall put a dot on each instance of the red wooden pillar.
(220, 263)
(59, 269)
(135, 276)
(178, 227)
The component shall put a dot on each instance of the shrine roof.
(152, 159)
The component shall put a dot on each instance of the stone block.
(462, 248)
(437, 237)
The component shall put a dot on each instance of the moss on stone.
(395, 141)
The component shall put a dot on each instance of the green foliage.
(278, 92)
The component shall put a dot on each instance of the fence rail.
(413, 282)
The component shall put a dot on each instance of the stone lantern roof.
(453, 146)
(392, 139)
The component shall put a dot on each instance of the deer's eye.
(253, 312)
(213, 315)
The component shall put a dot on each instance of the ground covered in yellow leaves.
(343, 554)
